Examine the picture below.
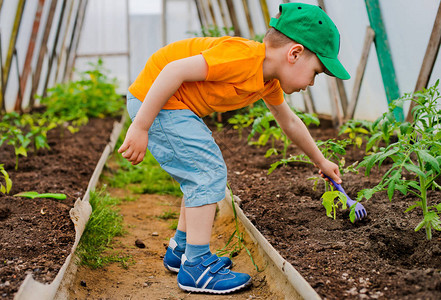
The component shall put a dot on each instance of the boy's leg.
(199, 222)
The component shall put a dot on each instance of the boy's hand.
(135, 144)
(329, 168)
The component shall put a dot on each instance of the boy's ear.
(294, 52)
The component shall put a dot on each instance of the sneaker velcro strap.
(219, 265)
(211, 260)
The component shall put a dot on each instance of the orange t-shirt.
(234, 79)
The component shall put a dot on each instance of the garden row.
(394, 252)
(47, 158)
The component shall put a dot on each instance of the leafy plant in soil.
(358, 130)
(268, 129)
(24, 131)
(5, 188)
(94, 95)
(416, 157)
(331, 205)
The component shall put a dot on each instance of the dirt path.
(147, 278)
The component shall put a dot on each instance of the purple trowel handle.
(339, 188)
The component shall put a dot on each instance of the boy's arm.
(192, 68)
(298, 133)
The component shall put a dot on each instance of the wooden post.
(200, 13)
(340, 85)
(224, 18)
(307, 99)
(265, 12)
(248, 16)
(368, 39)
(232, 12)
(29, 54)
(42, 52)
(384, 55)
(63, 44)
(213, 16)
(74, 39)
(428, 61)
(54, 49)
(12, 42)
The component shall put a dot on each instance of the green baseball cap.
(310, 26)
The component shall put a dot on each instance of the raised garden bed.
(380, 257)
(36, 235)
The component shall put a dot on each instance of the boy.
(190, 79)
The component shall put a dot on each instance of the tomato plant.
(418, 153)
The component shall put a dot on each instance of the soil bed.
(380, 257)
(36, 235)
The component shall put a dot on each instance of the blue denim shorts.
(184, 147)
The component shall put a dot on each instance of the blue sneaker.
(209, 275)
(172, 258)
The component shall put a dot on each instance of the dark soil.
(36, 235)
(380, 257)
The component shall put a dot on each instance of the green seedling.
(8, 182)
(331, 205)
(34, 195)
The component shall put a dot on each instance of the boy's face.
(299, 69)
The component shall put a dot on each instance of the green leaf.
(21, 151)
(414, 169)
(426, 157)
(420, 225)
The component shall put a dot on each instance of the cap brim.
(334, 67)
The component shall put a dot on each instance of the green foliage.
(93, 96)
(167, 215)
(240, 122)
(332, 149)
(8, 182)
(105, 223)
(146, 177)
(24, 131)
(213, 31)
(268, 130)
(358, 130)
(418, 152)
(329, 202)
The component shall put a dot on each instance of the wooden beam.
(307, 100)
(233, 17)
(12, 42)
(248, 17)
(63, 50)
(340, 85)
(428, 61)
(42, 52)
(29, 54)
(54, 49)
(368, 39)
(265, 12)
(213, 16)
(384, 55)
(200, 13)
(224, 18)
(337, 116)
(76, 39)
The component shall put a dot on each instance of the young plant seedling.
(34, 195)
(331, 205)
(8, 182)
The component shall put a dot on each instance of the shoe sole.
(199, 290)
(176, 270)
(171, 269)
